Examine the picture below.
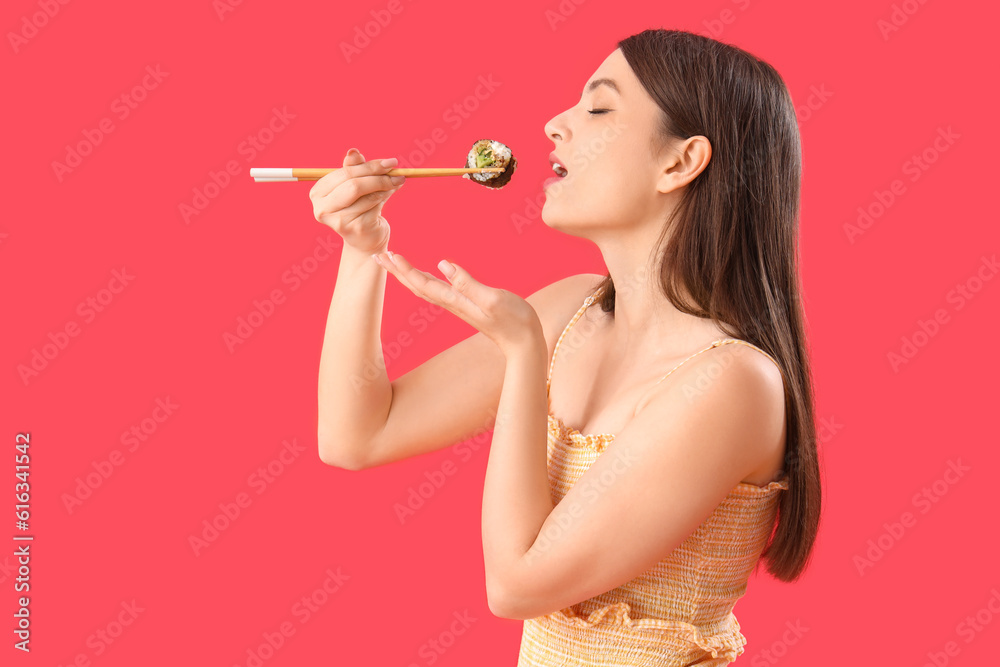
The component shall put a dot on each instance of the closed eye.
(597, 111)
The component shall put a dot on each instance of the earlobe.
(672, 174)
(667, 181)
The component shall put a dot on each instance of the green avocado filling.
(484, 157)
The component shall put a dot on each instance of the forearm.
(516, 496)
(354, 389)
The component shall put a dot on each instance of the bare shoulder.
(738, 390)
(754, 369)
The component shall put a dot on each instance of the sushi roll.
(489, 153)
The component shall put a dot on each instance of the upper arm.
(454, 395)
(660, 478)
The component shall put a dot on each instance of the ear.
(683, 162)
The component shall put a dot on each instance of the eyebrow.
(602, 82)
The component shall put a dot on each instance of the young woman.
(632, 487)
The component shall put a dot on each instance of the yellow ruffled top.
(679, 612)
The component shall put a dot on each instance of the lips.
(558, 166)
(552, 180)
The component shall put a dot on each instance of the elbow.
(349, 452)
(500, 603)
(497, 605)
(331, 457)
(519, 598)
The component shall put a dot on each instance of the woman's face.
(606, 143)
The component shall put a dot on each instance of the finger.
(351, 190)
(353, 157)
(322, 185)
(367, 203)
(349, 172)
(470, 288)
(433, 289)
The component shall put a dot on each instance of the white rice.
(499, 150)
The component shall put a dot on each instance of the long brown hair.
(731, 243)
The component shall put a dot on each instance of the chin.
(549, 216)
(562, 213)
(567, 224)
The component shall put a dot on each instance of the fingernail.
(390, 162)
(397, 180)
(377, 260)
(392, 258)
(446, 268)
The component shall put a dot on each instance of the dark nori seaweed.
(501, 179)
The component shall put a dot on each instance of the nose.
(556, 129)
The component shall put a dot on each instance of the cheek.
(615, 180)
(627, 172)
(617, 195)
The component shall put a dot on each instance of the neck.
(645, 320)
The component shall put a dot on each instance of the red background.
(894, 430)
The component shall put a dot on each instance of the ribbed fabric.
(678, 613)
